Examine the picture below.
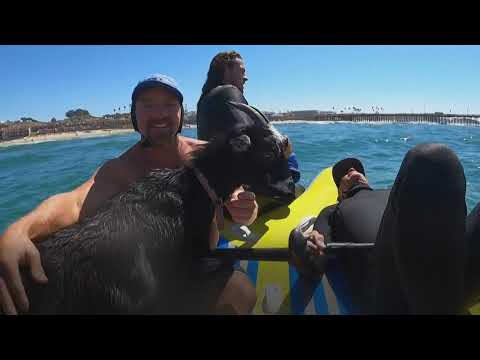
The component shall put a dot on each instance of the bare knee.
(436, 158)
(239, 295)
(429, 150)
(431, 172)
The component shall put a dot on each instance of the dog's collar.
(211, 194)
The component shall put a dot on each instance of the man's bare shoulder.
(111, 171)
(112, 165)
(118, 172)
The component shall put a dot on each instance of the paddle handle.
(277, 254)
(252, 254)
(347, 245)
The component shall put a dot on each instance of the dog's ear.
(240, 143)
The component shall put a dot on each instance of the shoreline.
(111, 132)
(37, 139)
(65, 136)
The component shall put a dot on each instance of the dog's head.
(256, 155)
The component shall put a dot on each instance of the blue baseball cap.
(157, 80)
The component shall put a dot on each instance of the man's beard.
(163, 138)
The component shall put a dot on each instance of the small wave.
(65, 137)
(306, 122)
(372, 123)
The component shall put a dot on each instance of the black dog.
(136, 254)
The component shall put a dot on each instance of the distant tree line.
(77, 113)
(28, 119)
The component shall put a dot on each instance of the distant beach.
(70, 136)
(109, 132)
(65, 136)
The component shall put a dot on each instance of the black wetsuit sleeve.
(215, 116)
(322, 224)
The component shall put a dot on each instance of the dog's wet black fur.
(136, 254)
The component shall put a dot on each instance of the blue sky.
(46, 81)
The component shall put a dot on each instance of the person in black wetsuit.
(427, 253)
(216, 116)
(225, 82)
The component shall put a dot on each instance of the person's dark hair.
(217, 68)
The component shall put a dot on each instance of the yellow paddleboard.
(280, 290)
(271, 230)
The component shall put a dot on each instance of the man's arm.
(322, 224)
(53, 214)
(62, 210)
(17, 248)
(311, 260)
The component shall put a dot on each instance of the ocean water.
(30, 173)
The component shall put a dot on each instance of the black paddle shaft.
(278, 254)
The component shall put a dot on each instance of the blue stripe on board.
(222, 243)
(302, 291)
(252, 267)
(321, 306)
(252, 271)
(296, 292)
(338, 284)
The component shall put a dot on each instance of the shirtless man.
(157, 114)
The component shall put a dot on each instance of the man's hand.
(310, 261)
(16, 250)
(242, 206)
(316, 243)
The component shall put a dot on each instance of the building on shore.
(303, 113)
(26, 128)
